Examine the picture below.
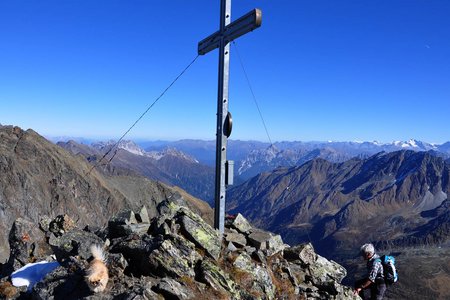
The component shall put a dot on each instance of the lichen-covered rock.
(275, 244)
(60, 225)
(172, 289)
(216, 278)
(74, 243)
(241, 224)
(266, 241)
(323, 272)
(117, 263)
(303, 254)
(261, 279)
(178, 256)
(173, 257)
(259, 238)
(238, 239)
(136, 251)
(201, 233)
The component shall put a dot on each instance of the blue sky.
(320, 70)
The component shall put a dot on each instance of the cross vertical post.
(222, 111)
(221, 39)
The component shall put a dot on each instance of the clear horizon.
(143, 140)
(320, 70)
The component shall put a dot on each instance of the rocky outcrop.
(174, 255)
(38, 178)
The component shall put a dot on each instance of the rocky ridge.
(39, 178)
(169, 165)
(396, 199)
(175, 255)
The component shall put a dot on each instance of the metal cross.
(221, 39)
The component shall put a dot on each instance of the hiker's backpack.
(390, 272)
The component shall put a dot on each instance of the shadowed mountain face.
(394, 199)
(39, 178)
(399, 201)
(169, 166)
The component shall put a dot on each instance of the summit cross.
(221, 39)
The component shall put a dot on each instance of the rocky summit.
(38, 178)
(174, 255)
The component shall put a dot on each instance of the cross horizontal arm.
(235, 29)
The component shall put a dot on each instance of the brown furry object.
(7, 290)
(97, 274)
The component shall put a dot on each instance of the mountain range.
(321, 194)
(336, 197)
(398, 198)
(157, 240)
(204, 150)
(398, 201)
(169, 161)
(169, 165)
(290, 154)
(39, 178)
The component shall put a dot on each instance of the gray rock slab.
(241, 224)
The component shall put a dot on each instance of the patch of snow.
(413, 143)
(32, 273)
(131, 147)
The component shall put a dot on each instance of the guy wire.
(141, 116)
(253, 94)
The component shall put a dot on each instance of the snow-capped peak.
(413, 145)
(131, 147)
(175, 152)
(126, 145)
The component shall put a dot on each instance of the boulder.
(303, 254)
(27, 244)
(74, 243)
(324, 272)
(217, 279)
(266, 241)
(124, 217)
(60, 225)
(261, 281)
(238, 239)
(142, 215)
(241, 224)
(172, 289)
(201, 234)
(175, 256)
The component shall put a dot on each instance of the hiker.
(373, 286)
